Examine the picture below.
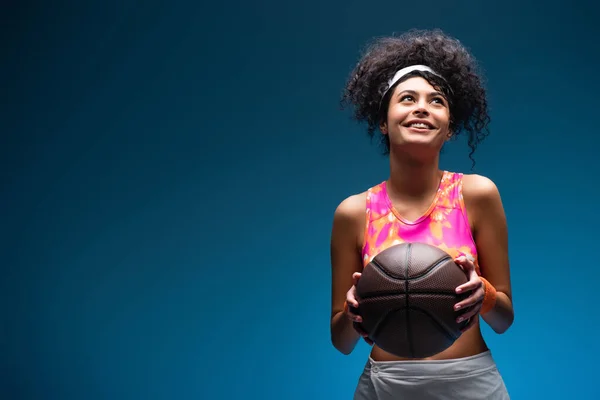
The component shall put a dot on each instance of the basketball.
(406, 297)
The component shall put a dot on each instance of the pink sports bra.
(444, 224)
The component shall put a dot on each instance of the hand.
(475, 300)
(352, 309)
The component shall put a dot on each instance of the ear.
(449, 135)
(383, 128)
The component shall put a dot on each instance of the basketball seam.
(395, 293)
(375, 331)
(408, 308)
(408, 328)
(429, 271)
(431, 268)
(434, 320)
(441, 325)
(406, 278)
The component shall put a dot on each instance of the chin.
(424, 137)
(424, 141)
(418, 145)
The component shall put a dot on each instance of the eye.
(438, 100)
(406, 97)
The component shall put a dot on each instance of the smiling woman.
(419, 90)
(417, 113)
(441, 60)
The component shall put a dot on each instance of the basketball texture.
(406, 297)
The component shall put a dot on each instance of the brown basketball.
(406, 297)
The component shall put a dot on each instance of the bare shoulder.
(490, 231)
(352, 208)
(349, 217)
(482, 199)
(479, 188)
(346, 238)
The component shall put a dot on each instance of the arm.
(490, 232)
(348, 222)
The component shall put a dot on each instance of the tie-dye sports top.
(444, 224)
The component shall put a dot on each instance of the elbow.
(500, 329)
(504, 324)
(342, 334)
(344, 349)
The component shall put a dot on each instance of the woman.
(419, 90)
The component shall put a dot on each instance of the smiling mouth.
(420, 125)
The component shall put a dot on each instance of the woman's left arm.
(488, 220)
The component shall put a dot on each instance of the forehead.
(415, 83)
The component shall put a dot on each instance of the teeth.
(419, 125)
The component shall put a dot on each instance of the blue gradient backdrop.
(170, 171)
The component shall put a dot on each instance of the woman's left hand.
(475, 300)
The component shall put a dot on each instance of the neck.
(410, 178)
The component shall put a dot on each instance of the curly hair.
(461, 83)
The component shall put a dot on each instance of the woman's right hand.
(351, 310)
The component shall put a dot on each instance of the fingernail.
(458, 290)
(459, 320)
(457, 307)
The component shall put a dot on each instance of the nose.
(421, 108)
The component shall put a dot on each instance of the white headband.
(405, 71)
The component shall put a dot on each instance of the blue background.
(170, 171)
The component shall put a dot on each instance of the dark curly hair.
(461, 84)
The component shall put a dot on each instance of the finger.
(355, 277)
(467, 265)
(462, 262)
(472, 272)
(358, 327)
(351, 311)
(351, 298)
(473, 284)
(472, 322)
(460, 259)
(476, 297)
(361, 332)
(468, 313)
(353, 315)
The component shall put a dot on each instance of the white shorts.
(468, 378)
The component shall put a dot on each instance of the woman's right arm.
(346, 239)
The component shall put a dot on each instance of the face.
(417, 115)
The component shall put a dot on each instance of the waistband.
(457, 367)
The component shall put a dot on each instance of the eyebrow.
(434, 93)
